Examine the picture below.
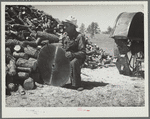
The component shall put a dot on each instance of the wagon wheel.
(134, 61)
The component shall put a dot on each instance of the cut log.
(19, 27)
(33, 59)
(107, 61)
(24, 69)
(28, 84)
(30, 43)
(14, 32)
(12, 68)
(18, 48)
(23, 75)
(21, 90)
(90, 52)
(39, 47)
(7, 50)
(20, 55)
(11, 86)
(12, 42)
(27, 63)
(38, 40)
(32, 52)
(44, 42)
(29, 38)
(47, 36)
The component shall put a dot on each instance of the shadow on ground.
(88, 85)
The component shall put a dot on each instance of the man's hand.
(69, 55)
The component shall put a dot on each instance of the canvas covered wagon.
(128, 33)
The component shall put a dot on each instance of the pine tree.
(82, 28)
(93, 29)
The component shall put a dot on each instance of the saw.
(53, 66)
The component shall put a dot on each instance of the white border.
(72, 111)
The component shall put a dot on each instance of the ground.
(104, 87)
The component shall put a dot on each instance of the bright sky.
(104, 14)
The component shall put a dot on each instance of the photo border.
(72, 111)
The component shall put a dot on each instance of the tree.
(109, 30)
(93, 28)
(88, 29)
(82, 28)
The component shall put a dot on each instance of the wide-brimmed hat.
(72, 20)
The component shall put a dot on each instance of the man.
(74, 44)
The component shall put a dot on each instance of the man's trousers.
(76, 72)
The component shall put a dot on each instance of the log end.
(11, 86)
(28, 84)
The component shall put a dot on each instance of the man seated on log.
(74, 44)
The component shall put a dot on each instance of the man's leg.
(75, 72)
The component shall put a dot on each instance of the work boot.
(80, 89)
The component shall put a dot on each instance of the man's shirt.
(76, 45)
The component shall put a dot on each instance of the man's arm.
(81, 48)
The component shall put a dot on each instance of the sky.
(104, 14)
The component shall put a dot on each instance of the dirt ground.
(104, 87)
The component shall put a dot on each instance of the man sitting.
(74, 44)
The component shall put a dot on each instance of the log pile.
(27, 30)
(96, 57)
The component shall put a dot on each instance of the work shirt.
(76, 45)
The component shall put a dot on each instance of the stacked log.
(96, 57)
(27, 31)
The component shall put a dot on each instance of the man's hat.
(72, 20)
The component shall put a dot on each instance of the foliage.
(109, 30)
(93, 28)
(82, 28)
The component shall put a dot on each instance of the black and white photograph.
(74, 59)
